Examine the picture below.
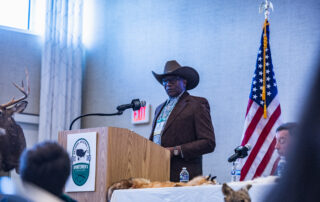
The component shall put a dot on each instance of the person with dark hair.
(182, 123)
(284, 135)
(46, 165)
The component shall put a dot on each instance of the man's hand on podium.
(174, 151)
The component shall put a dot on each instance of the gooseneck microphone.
(240, 152)
(136, 104)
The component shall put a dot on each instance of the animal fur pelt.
(135, 183)
(241, 195)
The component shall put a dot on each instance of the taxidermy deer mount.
(12, 140)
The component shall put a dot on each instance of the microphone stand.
(94, 114)
(135, 105)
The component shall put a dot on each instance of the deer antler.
(22, 90)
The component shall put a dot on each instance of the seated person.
(284, 135)
(46, 165)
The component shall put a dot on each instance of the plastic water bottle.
(281, 166)
(235, 172)
(184, 175)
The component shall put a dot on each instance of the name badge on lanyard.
(157, 131)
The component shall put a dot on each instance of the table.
(205, 193)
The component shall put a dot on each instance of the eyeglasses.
(172, 80)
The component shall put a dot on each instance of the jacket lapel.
(182, 103)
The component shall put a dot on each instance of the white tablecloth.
(197, 193)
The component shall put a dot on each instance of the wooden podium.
(121, 154)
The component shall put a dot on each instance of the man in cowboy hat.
(182, 123)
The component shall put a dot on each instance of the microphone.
(240, 152)
(136, 104)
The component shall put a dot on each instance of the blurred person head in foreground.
(46, 165)
(301, 179)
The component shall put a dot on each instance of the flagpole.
(257, 127)
(265, 6)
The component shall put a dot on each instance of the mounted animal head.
(12, 140)
(241, 195)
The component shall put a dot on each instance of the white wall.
(20, 50)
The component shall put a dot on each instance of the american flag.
(259, 131)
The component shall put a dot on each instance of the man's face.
(283, 140)
(174, 85)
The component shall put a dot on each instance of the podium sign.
(82, 150)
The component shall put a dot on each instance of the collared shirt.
(163, 117)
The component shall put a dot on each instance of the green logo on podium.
(81, 156)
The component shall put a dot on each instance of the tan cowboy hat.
(174, 68)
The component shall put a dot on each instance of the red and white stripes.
(260, 134)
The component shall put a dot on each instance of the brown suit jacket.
(189, 125)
